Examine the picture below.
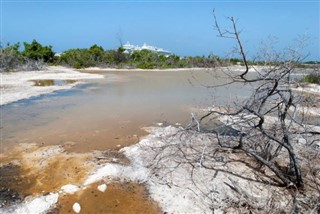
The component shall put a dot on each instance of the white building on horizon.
(130, 48)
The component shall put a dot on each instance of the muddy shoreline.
(38, 174)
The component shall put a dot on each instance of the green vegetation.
(34, 56)
(313, 78)
(144, 59)
(35, 51)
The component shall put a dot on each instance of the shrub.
(10, 57)
(313, 78)
(35, 51)
(77, 58)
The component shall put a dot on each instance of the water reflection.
(107, 113)
(52, 82)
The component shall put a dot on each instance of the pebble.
(76, 207)
(70, 189)
(102, 187)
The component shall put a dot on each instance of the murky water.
(104, 114)
(109, 112)
(51, 82)
(124, 198)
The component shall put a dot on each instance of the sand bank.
(21, 85)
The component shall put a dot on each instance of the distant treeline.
(34, 56)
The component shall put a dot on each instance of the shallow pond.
(105, 114)
(52, 82)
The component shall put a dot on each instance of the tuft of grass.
(312, 78)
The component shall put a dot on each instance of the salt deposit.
(70, 189)
(76, 207)
(18, 85)
(102, 187)
(36, 205)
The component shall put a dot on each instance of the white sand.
(174, 188)
(309, 88)
(69, 189)
(18, 85)
(138, 69)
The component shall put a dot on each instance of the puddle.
(52, 82)
(119, 198)
(32, 170)
(47, 169)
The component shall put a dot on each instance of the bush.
(77, 58)
(10, 57)
(313, 78)
(35, 51)
(147, 65)
(93, 56)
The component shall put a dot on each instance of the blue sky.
(183, 27)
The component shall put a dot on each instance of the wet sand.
(118, 198)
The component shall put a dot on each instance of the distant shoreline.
(236, 68)
(139, 69)
(20, 85)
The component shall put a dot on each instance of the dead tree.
(267, 122)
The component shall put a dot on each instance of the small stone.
(159, 124)
(102, 187)
(76, 207)
(118, 145)
(70, 189)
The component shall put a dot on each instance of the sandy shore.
(138, 69)
(173, 187)
(236, 68)
(20, 85)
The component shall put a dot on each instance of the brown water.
(99, 115)
(111, 111)
(123, 198)
(51, 82)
